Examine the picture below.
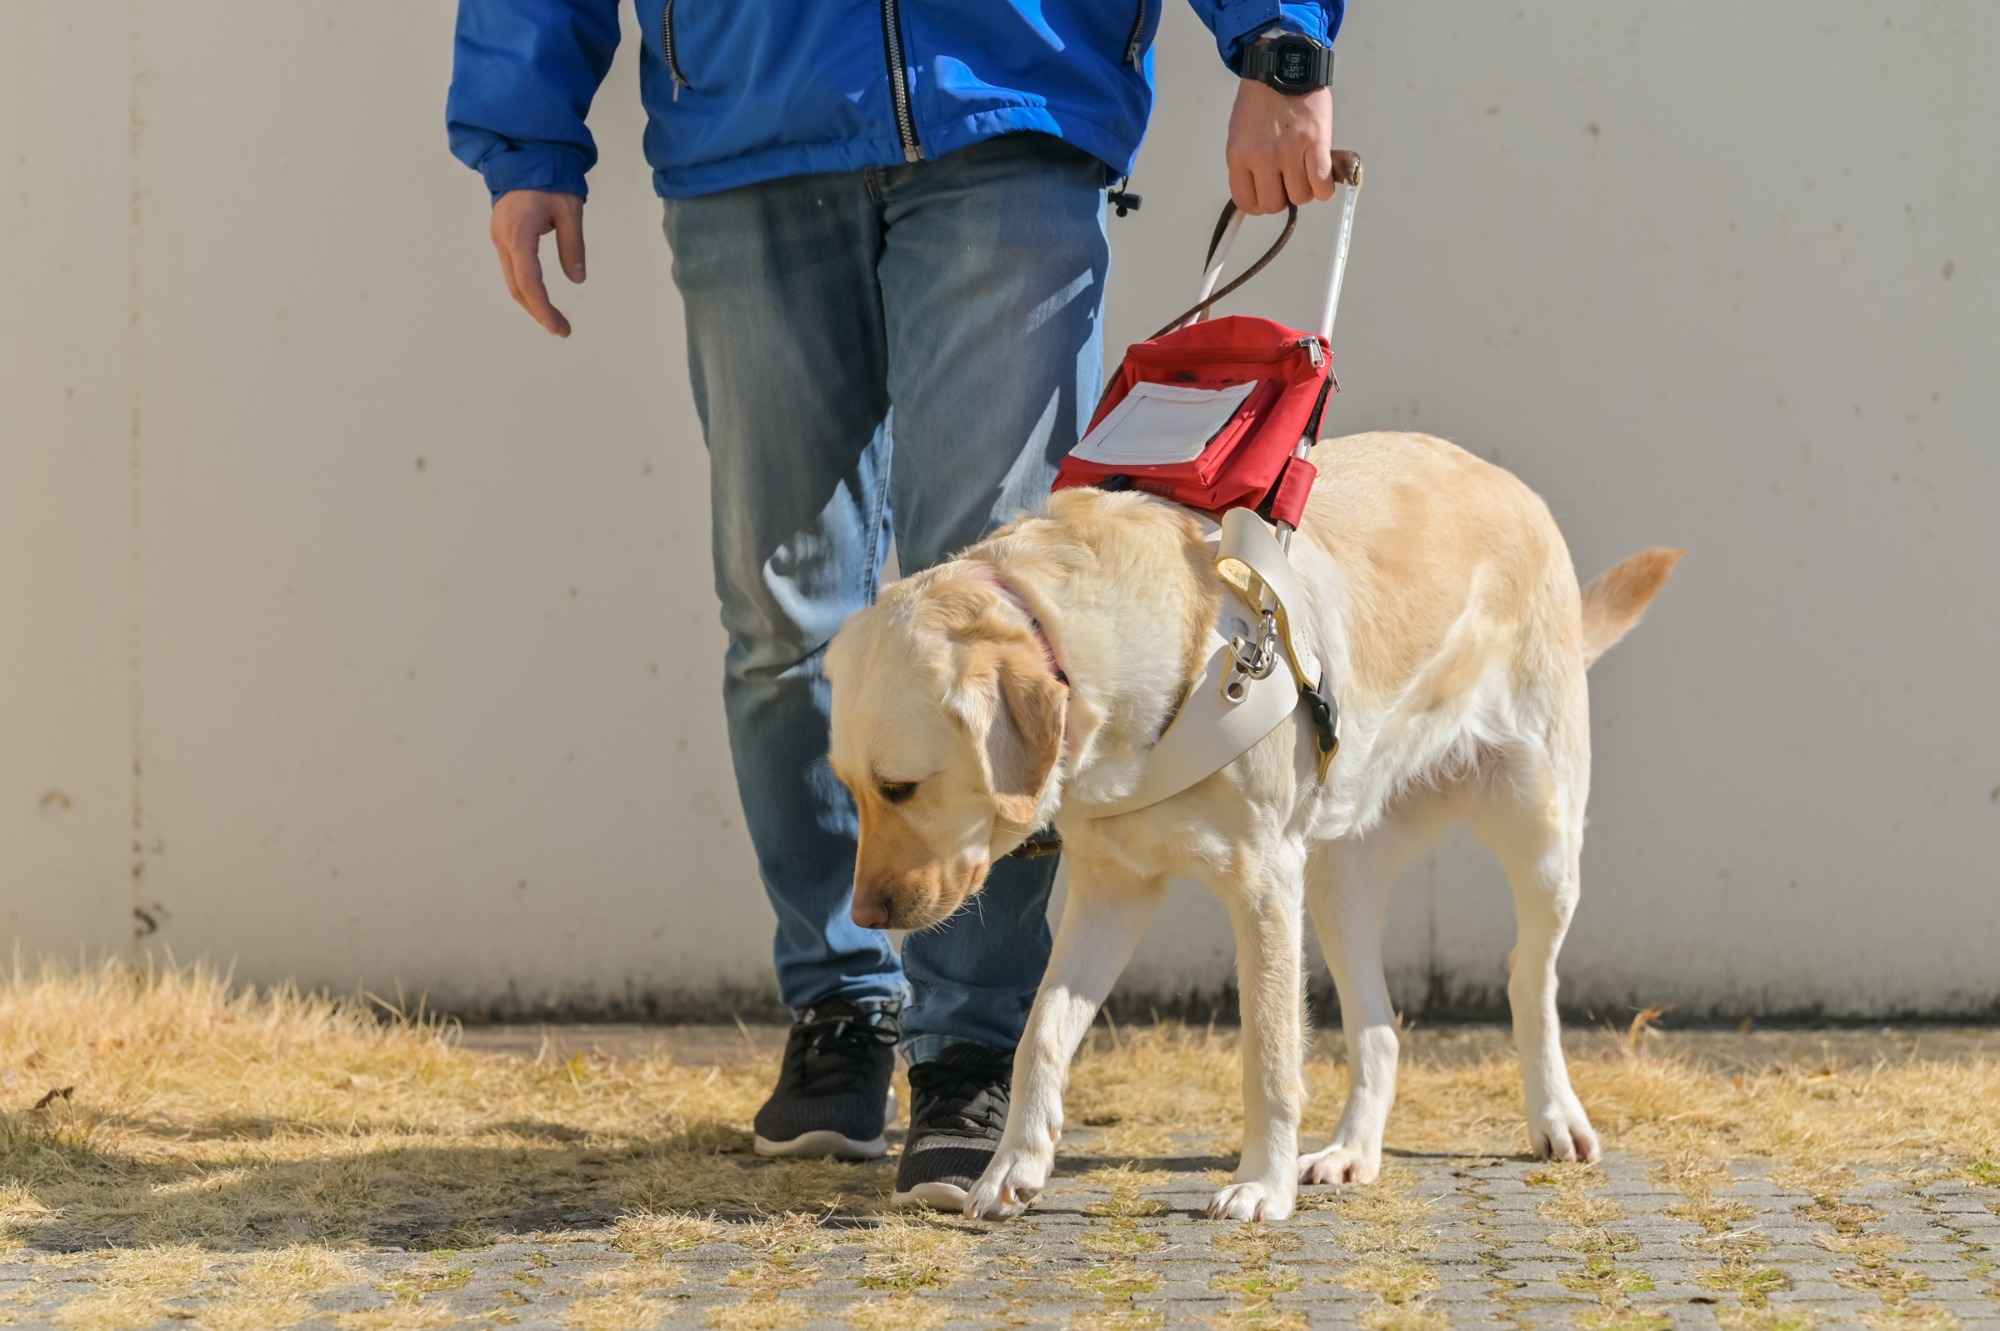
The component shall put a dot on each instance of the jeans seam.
(871, 564)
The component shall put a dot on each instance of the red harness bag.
(1253, 458)
(1256, 459)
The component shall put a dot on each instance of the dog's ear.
(1014, 709)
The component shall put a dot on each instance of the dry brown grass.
(1599, 1273)
(1261, 1317)
(756, 1314)
(1403, 1317)
(229, 1150)
(1623, 1318)
(908, 1253)
(1942, 1113)
(1767, 1319)
(241, 1121)
(902, 1312)
(234, 1292)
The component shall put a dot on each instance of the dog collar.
(1047, 841)
(1035, 624)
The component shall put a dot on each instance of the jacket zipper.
(899, 79)
(1134, 45)
(667, 49)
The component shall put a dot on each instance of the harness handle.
(1226, 227)
(1346, 171)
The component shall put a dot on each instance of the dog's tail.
(1614, 602)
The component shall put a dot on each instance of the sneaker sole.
(822, 1145)
(937, 1196)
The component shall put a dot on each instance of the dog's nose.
(870, 911)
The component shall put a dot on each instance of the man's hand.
(1280, 148)
(520, 219)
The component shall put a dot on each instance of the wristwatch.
(1290, 62)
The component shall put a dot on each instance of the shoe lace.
(828, 1055)
(959, 1098)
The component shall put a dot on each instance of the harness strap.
(1213, 728)
(1252, 562)
(1209, 732)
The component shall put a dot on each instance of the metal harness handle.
(1346, 170)
(1226, 227)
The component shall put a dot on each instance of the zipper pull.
(1313, 349)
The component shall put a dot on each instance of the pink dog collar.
(1048, 651)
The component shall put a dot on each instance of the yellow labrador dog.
(1025, 681)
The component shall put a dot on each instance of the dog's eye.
(896, 792)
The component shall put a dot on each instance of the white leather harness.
(1242, 694)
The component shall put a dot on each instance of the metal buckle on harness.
(1249, 661)
(1048, 841)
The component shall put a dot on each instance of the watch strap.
(1261, 62)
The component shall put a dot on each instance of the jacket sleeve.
(523, 75)
(1236, 23)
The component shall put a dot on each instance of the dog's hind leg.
(1106, 913)
(1534, 822)
(1264, 906)
(1348, 885)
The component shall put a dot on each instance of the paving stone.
(1523, 1272)
(1545, 1291)
(1679, 1312)
(1516, 1253)
(1457, 1254)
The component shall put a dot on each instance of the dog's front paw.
(1014, 1179)
(1560, 1130)
(1340, 1164)
(1251, 1201)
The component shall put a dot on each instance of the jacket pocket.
(670, 47)
(1135, 44)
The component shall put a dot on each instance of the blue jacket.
(738, 91)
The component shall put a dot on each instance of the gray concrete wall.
(352, 630)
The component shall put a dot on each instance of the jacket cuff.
(1243, 21)
(534, 166)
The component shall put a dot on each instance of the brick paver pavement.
(1463, 1241)
(1466, 1242)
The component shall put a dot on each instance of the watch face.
(1294, 63)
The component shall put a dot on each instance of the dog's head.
(947, 728)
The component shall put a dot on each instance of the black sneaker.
(833, 1097)
(958, 1106)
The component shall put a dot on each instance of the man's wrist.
(1292, 63)
(555, 170)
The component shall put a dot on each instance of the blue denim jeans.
(899, 352)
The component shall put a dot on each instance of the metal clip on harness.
(1249, 660)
